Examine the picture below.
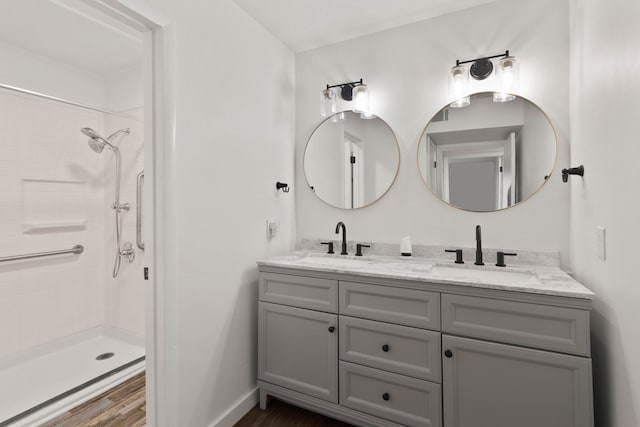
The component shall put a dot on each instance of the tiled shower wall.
(55, 192)
(125, 294)
(52, 192)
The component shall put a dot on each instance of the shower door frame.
(159, 125)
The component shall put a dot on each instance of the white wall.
(124, 89)
(234, 139)
(26, 70)
(605, 104)
(406, 70)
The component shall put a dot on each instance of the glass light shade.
(327, 102)
(462, 102)
(458, 81)
(507, 74)
(503, 97)
(337, 117)
(361, 99)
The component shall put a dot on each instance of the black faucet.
(478, 246)
(344, 237)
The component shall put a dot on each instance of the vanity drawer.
(400, 349)
(398, 398)
(559, 329)
(298, 291)
(390, 304)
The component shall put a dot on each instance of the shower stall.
(72, 315)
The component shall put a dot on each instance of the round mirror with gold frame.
(488, 155)
(351, 160)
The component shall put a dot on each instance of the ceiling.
(308, 24)
(70, 32)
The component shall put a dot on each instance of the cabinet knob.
(385, 396)
(385, 348)
(448, 353)
(332, 329)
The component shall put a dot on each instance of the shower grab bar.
(77, 249)
(140, 181)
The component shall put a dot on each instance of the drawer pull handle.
(385, 397)
(332, 329)
(385, 348)
(448, 353)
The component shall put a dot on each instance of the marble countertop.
(543, 280)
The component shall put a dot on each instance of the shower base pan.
(42, 383)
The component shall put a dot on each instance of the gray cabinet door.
(497, 385)
(298, 349)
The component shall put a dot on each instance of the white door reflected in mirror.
(349, 161)
(487, 156)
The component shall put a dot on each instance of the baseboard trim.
(238, 410)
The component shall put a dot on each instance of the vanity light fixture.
(480, 69)
(352, 91)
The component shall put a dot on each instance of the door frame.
(159, 143)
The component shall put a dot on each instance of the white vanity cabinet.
(400, 352)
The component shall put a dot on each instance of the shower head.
(97, 142)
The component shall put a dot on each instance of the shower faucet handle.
(128, 252)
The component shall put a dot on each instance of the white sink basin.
(493, 276)
(330, 261)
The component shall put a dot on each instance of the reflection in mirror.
(489, 155)
(351, 161)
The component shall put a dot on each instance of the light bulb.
(361, 99)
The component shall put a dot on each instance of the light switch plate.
(272, 228)
(601, 242)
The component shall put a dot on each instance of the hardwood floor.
(125, 406)
(281, 414)
(122, 406)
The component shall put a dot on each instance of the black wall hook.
(282, 186)
(579, 170)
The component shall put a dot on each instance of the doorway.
(71, 305)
